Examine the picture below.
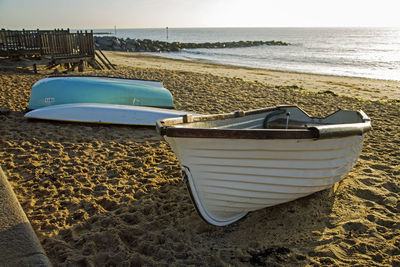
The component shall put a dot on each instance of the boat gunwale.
(167, 127)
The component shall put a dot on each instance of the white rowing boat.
(104, 114)
(243, 161)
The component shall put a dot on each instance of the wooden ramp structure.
(57, 47)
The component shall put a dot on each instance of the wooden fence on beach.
(49, 47)
(57, 43)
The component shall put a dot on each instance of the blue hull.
(69, 90)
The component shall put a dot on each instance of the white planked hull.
(104, 113)
(230, 177)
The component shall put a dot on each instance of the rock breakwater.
(137, 45)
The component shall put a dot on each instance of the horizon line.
(216, 27)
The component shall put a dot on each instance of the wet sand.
(112, 195)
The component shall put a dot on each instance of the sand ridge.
(112, 195)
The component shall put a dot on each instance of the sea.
(355, 52)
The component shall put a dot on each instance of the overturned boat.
(104, 114)
(71, 90)
(246, 160)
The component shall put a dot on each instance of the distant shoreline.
(356, 87)
(349, 51)
(163, 55)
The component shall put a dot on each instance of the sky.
(105, 14)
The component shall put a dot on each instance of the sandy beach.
(101, 195)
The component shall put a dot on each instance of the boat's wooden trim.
(315, 132)
(241, 134)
